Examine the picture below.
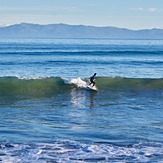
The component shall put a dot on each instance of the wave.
(130, 83)
(50, 86)
(87, 52)
(73, 151)
(31, 86)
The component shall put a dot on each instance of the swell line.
(51, 86)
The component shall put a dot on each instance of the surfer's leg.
(92, 82)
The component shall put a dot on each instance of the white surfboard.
(89, 87)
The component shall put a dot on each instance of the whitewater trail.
(76, 81)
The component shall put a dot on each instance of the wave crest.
(51, 86)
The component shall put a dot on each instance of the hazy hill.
(26, 30)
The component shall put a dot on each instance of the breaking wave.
(72, 151)
(50, 86)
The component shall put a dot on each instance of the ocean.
(48, 115)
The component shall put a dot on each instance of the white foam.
(72, 151)
(26, 77)
(76, 81)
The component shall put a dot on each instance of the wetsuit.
(92, 80)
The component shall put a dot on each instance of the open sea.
(48, 116)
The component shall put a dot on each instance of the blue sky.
(132, 14)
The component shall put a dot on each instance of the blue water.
(48, 115)
(80, 58)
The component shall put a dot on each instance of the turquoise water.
(48, 115)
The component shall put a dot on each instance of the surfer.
(92, 78)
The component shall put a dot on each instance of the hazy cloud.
(140, 9)
(153, 10)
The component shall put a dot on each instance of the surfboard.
(91, 88)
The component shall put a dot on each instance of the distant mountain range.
(26, 30)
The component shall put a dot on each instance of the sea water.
(47, 115)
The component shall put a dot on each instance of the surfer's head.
(95, 74)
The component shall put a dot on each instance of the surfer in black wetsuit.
(92, 78)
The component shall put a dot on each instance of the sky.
(131, 14)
